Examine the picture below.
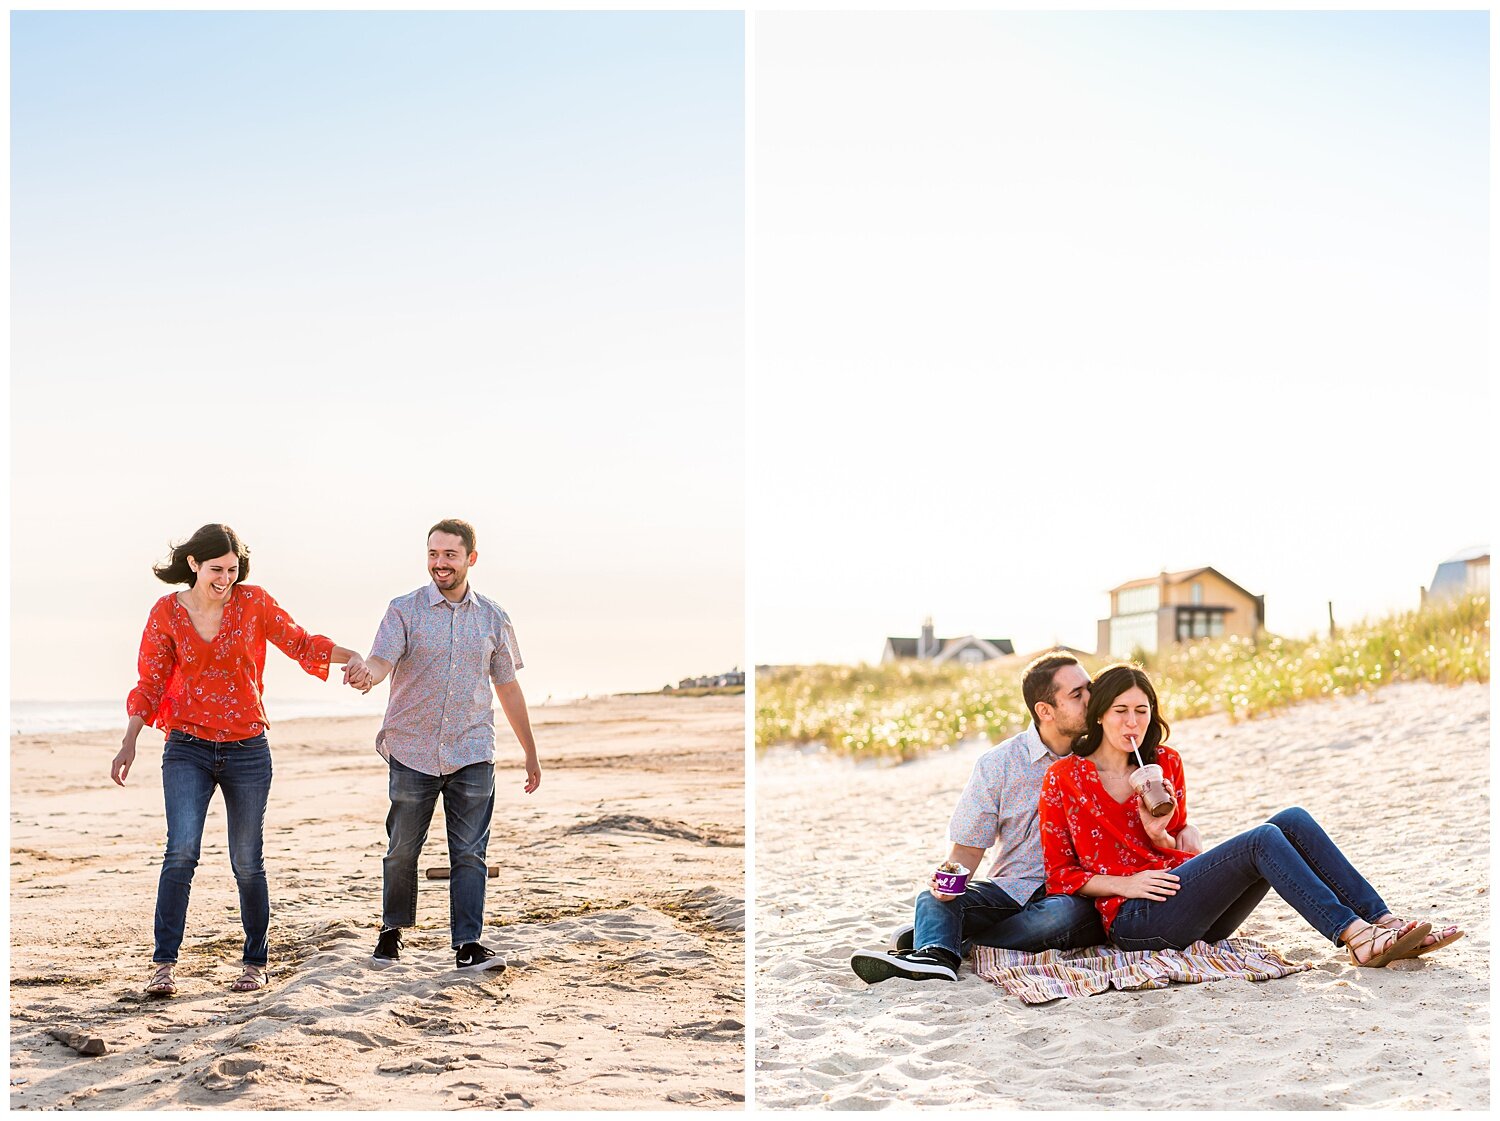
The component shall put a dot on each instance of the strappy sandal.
(1445, 937)
(162, 982)
(255, 977)
(1398, 946)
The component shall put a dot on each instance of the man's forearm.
(966, 855)
(379, 669)
(513, 702)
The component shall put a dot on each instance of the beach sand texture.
(619, 905)
(841, 849)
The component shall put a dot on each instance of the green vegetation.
(903, 709)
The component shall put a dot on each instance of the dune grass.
(904, 709)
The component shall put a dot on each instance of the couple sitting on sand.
(1080, 860)
(202, 661)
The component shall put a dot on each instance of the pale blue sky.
(329, 277)
(1048, 302)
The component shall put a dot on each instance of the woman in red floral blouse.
(1153, 891)
(202, 661)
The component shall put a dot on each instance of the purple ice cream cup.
(951, 883)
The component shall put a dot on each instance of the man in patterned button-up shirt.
(999, 807)
(447, 647)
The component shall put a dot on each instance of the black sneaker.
(387, 947)
(474, 957)
(881, 965)
(905, 937)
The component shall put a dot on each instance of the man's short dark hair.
(458, 528)
(1036, 683)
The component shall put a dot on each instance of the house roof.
(907, 647)
(1478, 552)
(1181, 578)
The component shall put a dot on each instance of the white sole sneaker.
(483, 965)
(874, 966)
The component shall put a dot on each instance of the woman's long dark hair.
(1104, 690)
(209, 543)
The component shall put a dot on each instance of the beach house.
(1465, 573)
(1156, 611)
(929, 648)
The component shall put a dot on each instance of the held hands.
(357, 674)
(120, 768)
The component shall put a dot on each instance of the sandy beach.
(619, 907)
(841, 848)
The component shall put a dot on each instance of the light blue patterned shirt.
(440, 715)
(999, 807)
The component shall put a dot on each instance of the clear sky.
(330, 277)
(1047, 302)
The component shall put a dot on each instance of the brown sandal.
(162, 982)
(1444, 937)
(255, 977)
(1397, 945)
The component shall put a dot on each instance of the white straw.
(1131, 741)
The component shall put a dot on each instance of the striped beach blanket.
(1037, 978)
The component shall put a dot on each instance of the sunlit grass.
(906, 708)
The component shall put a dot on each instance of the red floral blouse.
(1086, 833)
(212, 690)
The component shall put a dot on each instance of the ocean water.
(29, 718)
(34, 717)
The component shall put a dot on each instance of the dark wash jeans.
(986, 916)
(1217, 889)
(468, 803)
(190, 771)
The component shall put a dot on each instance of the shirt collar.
(435, 595)
(1036, 747)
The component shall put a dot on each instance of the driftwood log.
(443, 872)
(83, 1044)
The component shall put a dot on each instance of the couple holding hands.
(1080, 860)
(201, 667)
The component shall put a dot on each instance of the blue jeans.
(468, 802)
(190, 770)
(986, 916)
(1217, 889)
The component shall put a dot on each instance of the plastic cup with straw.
(1150, 783)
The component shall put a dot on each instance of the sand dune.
(619, 906)
(841, 848)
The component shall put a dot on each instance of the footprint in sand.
(230, 1074)
(411, 1066)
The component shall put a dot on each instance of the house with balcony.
(1154, 612)
(927, 647)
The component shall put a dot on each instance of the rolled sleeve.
(1179, 819)
(976, 818)
(155, 666)
(507, 656)
(310, 651)
(390, 639)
